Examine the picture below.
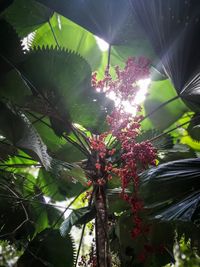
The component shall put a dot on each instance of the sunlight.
(26, 41)
(140, 97)
(103, 45)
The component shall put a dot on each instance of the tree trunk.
(101, 226)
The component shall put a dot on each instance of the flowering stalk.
(132, 157)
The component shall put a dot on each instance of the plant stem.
(109, 55)
(101, 226)
(80, 243)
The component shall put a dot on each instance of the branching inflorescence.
(124, 157)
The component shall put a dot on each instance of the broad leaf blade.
(176, 40)
(175, 183)
(69, 36)
(101, 18)
(64, 79)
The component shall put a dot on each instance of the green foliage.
(159, 93)
(58, 187)
(173, 202)
(25, 137)
(77, 217)
(8, 254)
(184, 256)
(48, 248)
(193, 128)
(26, 17)
(49, 111)
(64, 88)
(62, 32)
(104, 21)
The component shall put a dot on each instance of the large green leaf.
(177, 186)
(159, 93)
(77, 217)
(67, 34)
(61, 83)
(111, 21)
(176, 40)
(24, 135)
(185, 210)
(27, 16)
(48, 248)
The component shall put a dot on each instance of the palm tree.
(50, 114)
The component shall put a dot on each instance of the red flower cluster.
(125, 84)
(134, 156)
(102, 156)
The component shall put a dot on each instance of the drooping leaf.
(48, 248)
(77, 217)
(69, 153)
(27, 16)
(24, 135)
(175, 182)
(183, 210)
